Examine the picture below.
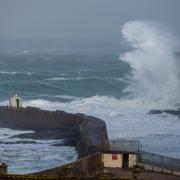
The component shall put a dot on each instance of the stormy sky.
(83, 23)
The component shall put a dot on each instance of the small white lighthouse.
(15, 101)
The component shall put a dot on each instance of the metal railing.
(159, 161)
(132, 146)
(124, 145)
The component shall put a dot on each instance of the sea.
(119, 88)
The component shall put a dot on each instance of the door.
(17, 102)
(125, 160)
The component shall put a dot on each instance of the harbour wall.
(88, 134)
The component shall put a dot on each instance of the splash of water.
(155, 67)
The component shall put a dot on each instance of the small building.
(15, 101)
(119, 160)
(122, 154)
(3, 169)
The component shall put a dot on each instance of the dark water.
(47, 76)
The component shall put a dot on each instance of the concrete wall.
(93, 136)
(87, 166)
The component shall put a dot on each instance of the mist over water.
(155, 68)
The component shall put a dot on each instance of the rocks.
(173, 112)
(155, 111)
(168, 111)
(88, 134)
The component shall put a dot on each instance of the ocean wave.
(124, 118)
(8, 72)
(152, 47)
(125, 104)
(6, 134)
(22, 154)
(15, 73)
(64, 79)
(120, 79)
(18, 53)
(65, 97)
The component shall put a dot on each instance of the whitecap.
(8, 72)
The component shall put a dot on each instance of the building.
(15, 101)
(121, 154)
(3, 169)
(119, 160)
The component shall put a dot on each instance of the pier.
(98, 156)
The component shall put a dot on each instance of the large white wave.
(124, 118)
(155, 68)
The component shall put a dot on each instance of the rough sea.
(118, 88)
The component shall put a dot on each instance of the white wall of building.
(111, 162)
(132, 160)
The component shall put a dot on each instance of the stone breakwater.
(88, 134)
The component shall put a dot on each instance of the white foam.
(155, 68)
(6, 134)
(124, 118)
(70, 79)
(66, 97)
(87, 78)
(35, 155)
(8, 72)
(15, 73)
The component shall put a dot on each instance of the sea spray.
(155, 69)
